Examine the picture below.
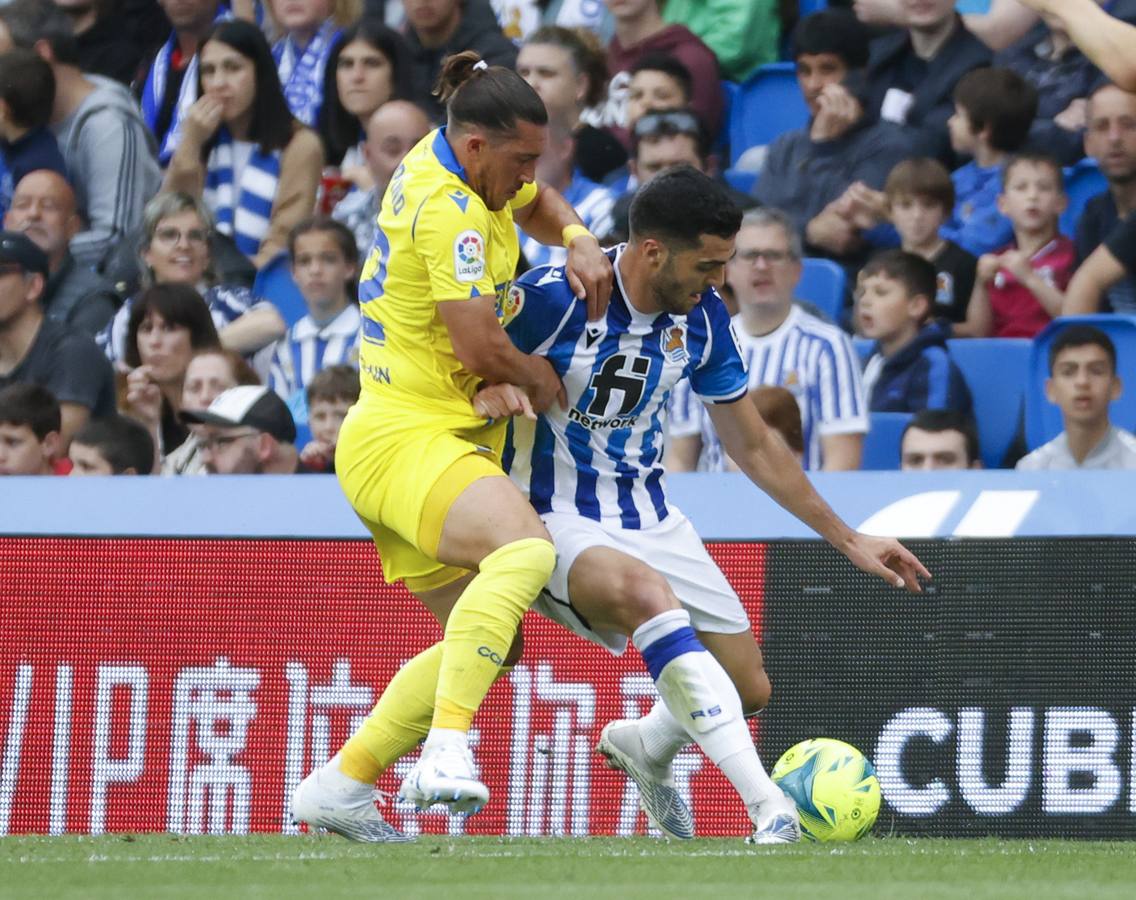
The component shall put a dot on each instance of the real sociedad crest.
(673, 342)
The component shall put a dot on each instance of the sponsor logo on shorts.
(594, 424)
(469, 256)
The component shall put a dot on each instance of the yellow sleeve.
(450, 236)
(525, 195)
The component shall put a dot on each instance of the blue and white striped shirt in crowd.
(309, 348)
(602, 457)
(592, 202)
(811, 358)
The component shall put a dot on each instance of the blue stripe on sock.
(662, 651)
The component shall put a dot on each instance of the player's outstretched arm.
(764, 457)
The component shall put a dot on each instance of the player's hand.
(501, 401)
(590, 274)
(888, 559)
(202, 120)
(144, 397)
(545, 386)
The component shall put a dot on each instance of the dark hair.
(123, 442)
(937, 420)
(340, 129)
(917, 276)
(492, 97)
(922, 177)
(779, 408)
(835, 31)
(664, 123)
(178, 304)
(680, 205)
(27, 85)
(29, 21)
(1081, 336)
(30, 405)
(271, 124)
(587, 54)
(658, 61)
(343, 235)
(334, 383)
(1036, 159)
(1001, 100)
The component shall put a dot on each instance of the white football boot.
(775, 822)
(666, 810)
(445, 774)
(350, 813)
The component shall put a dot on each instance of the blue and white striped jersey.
(602, 457)
(592, 203)
(309, 348)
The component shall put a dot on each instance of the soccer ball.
(834, 786)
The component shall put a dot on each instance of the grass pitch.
(442, 868)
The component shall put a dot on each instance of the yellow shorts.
(402, 476)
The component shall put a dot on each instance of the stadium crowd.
(188, 190)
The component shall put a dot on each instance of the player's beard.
(668, 292)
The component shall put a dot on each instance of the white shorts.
(672, 548)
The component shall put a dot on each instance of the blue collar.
(445, 154)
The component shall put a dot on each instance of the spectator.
(368, 68)
(912, 73)
(247, 431)
(568, 69)
(1106, 266)
(910, 369)
(393, 129)
(1110, 139)
(1018, 290)
(640, 29)
(105, 45)
(778, 408)
(331, 393)
(325, 266)
(170, 86)
(437, 28)
(257, 168)
(115, 445)
(592, 202)
(175, 249)
(27, 91)
(658, 81)
(1105, 40)
(742, 34)
(1082, 382)
(993, 112)
(30, 440)
(938, 439)
(920, 196)
(209, 372)
(168, 323)
(784, 346)
(826, 174)
(107, 149)
(43, 208)
(36, 350)
(310, 33)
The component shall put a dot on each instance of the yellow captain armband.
(571, 232)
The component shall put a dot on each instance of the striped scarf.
(301, 72)
(242, 211)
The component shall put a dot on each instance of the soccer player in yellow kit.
(419, 466)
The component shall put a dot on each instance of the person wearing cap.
(38, 350)
(246, 430)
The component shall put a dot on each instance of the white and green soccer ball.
(834, 786)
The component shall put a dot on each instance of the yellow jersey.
(435, 240)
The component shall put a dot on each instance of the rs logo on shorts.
(706, 713)
(491, 655)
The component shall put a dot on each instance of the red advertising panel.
(188, 685)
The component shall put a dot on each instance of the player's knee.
(643, 594)
(755, 692)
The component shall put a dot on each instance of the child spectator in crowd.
(27, 92)
(920, 197)
(1082, 382)
(993, 112)
(324, 264)
(30, 442)
(910, 369)
(939, 439)
(115, 445)
(658, 81)
(778, 408)
(310, 33)
(1019, 290)
(331, 393)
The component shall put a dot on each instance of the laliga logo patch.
(672, 343)
(511, 304)
(469, 256)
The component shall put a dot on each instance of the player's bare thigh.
(486, 516)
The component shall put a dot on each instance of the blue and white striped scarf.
(301, 74)
(242, 211)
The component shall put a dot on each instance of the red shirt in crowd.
(1017, 312)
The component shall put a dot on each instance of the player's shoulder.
(542, 303)
(550, 283)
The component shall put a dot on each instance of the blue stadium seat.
(274, 283)
(768, 104)
(881, 443)
(808, 7)
(996, 370)
(1082, 182)
(1043, 419)
(973, 6)
(823, 284)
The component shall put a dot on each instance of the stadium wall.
(175, 655)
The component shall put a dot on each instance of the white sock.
(441, 737)
(662, 736)
(336, 781)
(703, 700)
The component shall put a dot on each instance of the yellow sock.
(482, 625)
